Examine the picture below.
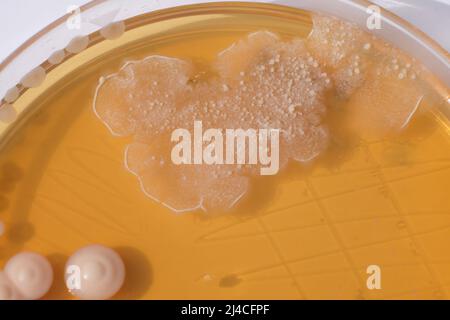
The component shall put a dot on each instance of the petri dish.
(305, 234)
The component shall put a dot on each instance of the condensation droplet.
(12, 95)
(78, 44)
(113, 31)
(57, 57)
(7, 113)
(34, 78)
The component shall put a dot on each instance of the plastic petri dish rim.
(98, 13)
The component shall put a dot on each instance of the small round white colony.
(7, 289)
(95, 272)
(30, 274)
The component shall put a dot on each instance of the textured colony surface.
(95, 272)
(26, 276)
(260, 82)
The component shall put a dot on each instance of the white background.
(20, 19)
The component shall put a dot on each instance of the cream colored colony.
(94, 272)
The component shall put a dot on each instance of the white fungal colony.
(261, 82)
